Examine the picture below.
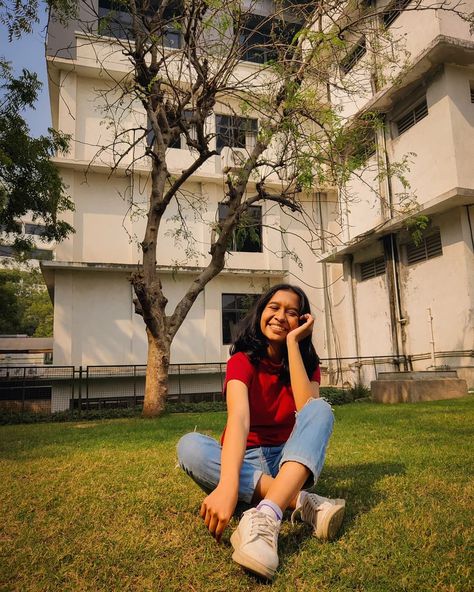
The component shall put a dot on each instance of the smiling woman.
(276, 435)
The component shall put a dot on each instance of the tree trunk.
(156, 385)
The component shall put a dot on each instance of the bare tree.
(185, 64)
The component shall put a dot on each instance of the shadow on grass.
(356, 484)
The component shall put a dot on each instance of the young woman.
(274, 443)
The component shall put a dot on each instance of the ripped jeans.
(200, 456)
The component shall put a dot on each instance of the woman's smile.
(280, 316)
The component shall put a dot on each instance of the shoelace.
(263, 526)
(309, 508)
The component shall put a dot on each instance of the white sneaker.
(323, 514)
(255, 543)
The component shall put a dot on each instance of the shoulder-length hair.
(251, 341)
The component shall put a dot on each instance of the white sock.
(268, 507)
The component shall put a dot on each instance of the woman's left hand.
(304, 330)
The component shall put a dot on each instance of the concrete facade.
(385, 315)
(95, 322)
(414, 304)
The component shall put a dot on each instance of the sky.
(28, 52)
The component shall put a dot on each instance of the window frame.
(239, 311)
(417, 111)
(234, 129)
(260, 34)
(234, 247)
(34, 229)
(353, 57)
(364, 273)
(426, 250)
(392, 11)
(122, 20)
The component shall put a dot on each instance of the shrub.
(359, 391)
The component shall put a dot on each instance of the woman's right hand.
(217, 510)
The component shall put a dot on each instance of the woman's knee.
(319, 410)
(188, 449)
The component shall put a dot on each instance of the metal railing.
(61, 388)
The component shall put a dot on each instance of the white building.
(370, 294)
(95, 322)
(390, 296)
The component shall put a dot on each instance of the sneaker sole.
(328, 529)
(249, 562)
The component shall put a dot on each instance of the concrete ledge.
(413, 391)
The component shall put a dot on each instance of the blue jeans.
(200, 456)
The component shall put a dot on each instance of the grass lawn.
(102, 506)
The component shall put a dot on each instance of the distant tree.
(25, 306)
(29, 181)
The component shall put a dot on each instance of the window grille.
(180, 141)
(393, 11)
(34, 229)
(234, 309)
(351, 59)
(412, 117)
(115, 20)
(430, 247)
(236, 132)
(472, 94)
(261, 37)
(372, 268)
(40, 254)
(247, 237)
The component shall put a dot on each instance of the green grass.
(102, 506)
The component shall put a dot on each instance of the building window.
(261, 37)
(416, 114)
(180, 141)
(429, 247)
(39, 254)
(393, 11)
(356, 54)
(236, 132)
(364, 144)
(115, 20)
(234, 309)
(34, 229)
(247, 237)
(372, 268)
(472, 92)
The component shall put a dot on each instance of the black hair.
(251, 341)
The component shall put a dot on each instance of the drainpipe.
(352, 297)
(327, 302)
(391, 255)
(432, 342)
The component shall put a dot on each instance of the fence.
(30, 388)
(60, 388)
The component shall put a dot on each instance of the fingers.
(221, 526)
(214, 524)
(307, 318)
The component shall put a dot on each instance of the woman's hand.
(217, 509)
(304, 330)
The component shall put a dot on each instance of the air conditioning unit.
(232, 159)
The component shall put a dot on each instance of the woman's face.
(279, 317)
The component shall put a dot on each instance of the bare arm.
(303, 388)
(218, 506)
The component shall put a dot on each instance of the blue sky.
(28, 52)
